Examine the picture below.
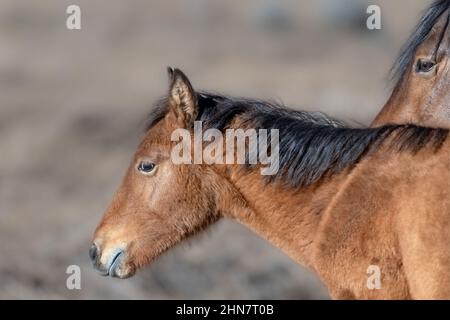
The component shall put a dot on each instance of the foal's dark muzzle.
(112, 264)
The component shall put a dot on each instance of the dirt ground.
(72, 109)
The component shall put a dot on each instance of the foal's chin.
(122, 271)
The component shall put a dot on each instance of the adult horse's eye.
(424, 65)
(146, 167)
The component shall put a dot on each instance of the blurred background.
(73, 104)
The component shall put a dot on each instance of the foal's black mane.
(423, 28)
(311, 145)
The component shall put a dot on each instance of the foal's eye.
(146, 167)
(424, 65)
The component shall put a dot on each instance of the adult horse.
(421, 94)
(342, 201)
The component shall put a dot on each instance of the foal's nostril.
(93, 252)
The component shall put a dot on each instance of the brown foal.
(342, 201)
(388, 206)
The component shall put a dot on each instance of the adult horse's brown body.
(343, 200)
(422, 92)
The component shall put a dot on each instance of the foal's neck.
(290, 219)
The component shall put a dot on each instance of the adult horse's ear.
(182, 98)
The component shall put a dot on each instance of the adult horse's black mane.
(419, 35)
(311, 145)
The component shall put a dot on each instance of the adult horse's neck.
(291, 219)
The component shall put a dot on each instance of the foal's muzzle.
(110, 265)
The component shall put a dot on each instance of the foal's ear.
(182, 98)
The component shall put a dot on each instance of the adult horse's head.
(422, 93)
(159, 203)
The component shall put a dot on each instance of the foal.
(394, 212)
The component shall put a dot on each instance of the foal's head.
(159, 203)
(422, 92)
